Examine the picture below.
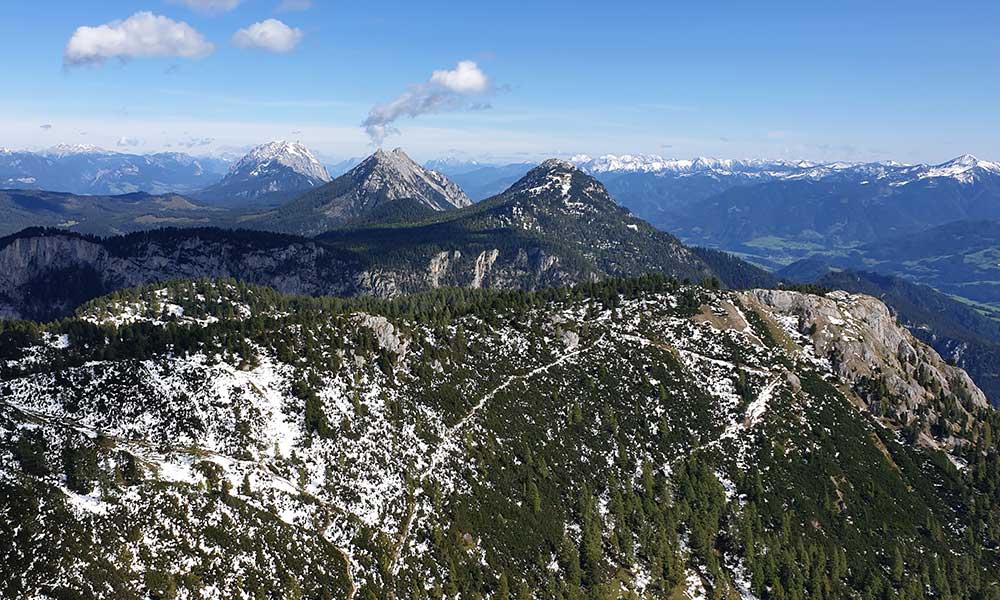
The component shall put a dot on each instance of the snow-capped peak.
(962, 168)
(60, 150)
(965, 168)
(293, 155)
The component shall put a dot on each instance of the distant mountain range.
(84, 169)
(556, 225)
(778, 211)
(773, 213)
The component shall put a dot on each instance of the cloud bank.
(271, 35)
(142, 35)
(446, 90)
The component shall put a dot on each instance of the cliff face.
(45, 277)
(886, 367)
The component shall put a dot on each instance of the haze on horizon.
(502, 82)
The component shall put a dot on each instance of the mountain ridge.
(557, 226)
(381, 178)
(628, 436)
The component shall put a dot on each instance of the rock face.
(889, 368)
(268, 175)
(380, 180)
(46, 276)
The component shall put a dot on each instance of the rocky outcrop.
(865, 346)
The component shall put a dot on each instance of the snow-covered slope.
(641, 435)
(261, 160)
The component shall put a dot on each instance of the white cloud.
(210, 6)
(46, 126)
(271, 35)
(128, 142)
(447, 90)
(141, 35)
(465, 78)
(294, 5)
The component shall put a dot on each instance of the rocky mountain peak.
(394, 175)
(293, 155)
(561, 181)
(269, 174)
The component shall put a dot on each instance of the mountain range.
(397, 393)
(384, 178)
(777, 212)
(397, 227)
(555, 226)
(82, 169)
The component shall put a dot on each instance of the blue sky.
(915, 81)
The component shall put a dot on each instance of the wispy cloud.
(128, 142)
(46, 126)
(446, 90)
(196, 142)
(139, 36)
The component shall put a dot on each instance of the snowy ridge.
(293, 155)
(61, 150)
(964, 169)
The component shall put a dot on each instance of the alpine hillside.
(101, 215)
(624, 439)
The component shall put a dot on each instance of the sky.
(506, 81)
